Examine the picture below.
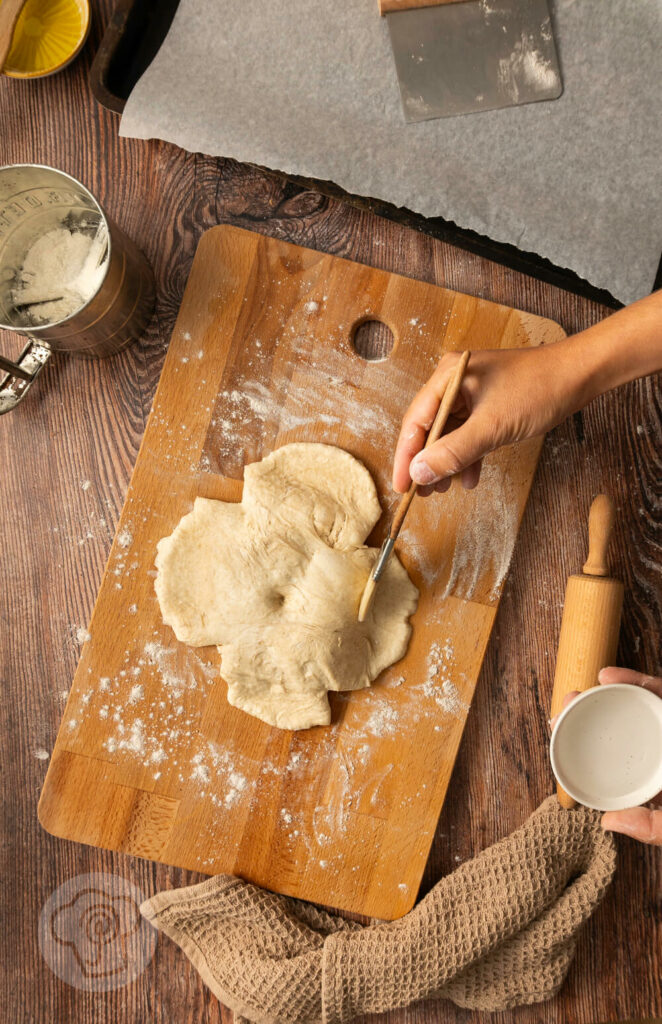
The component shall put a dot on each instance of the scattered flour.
(41, 754)
(237, 784)
(486, 535)
(333, 403)
(438, 682)
(200, 770)
(125, 538)
(383, 721)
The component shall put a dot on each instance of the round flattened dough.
(319, 486)
(276, 580)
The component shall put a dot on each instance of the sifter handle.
(600, 525)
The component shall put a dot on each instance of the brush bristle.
(366, 598)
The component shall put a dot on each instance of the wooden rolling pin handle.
(591, 618)
(389, 6)
(600, 525)
(566, 801)
(448, 400)
(9, 12)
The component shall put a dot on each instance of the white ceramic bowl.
(606, 749)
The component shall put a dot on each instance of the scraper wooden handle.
(389, 6)
(591, 617)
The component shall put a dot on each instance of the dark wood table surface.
(84, 422)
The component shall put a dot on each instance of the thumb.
(453, 452)
(640, 823)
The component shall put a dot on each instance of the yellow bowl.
(47, 37)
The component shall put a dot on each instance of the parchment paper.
(309, 87)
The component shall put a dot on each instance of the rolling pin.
(591, 617)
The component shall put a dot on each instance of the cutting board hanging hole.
(372, 340)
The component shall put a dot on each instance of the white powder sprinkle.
(383, 720)
(125, 538)
(137, 693)
(200, 772)
(439, 684)
(41, 754)
(237, 783)
(136, 739)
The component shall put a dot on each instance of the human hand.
(642, 823)
(506, 395)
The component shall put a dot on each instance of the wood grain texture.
(262, 355)
(85, 422)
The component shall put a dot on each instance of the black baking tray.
(131, 41)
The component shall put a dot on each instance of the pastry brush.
(448, 399)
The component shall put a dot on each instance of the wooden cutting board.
(150, 759)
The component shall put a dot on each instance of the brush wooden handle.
(389, 6)
(448, 400)
(9, 12)
(591, 618)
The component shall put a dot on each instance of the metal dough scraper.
(461, 56)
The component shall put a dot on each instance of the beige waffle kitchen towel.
(499, 931)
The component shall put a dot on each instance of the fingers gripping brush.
(448, 399)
